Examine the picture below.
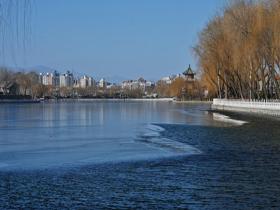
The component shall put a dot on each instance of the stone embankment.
(269, 107)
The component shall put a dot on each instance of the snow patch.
(227, 119)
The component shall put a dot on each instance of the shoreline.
(193, 102)
(250, 107)
(133, 99)
(19, 101)
(126, 99)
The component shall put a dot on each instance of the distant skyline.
(124, 38)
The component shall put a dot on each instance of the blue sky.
(127, 38)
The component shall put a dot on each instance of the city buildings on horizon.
(69, 80)
(55, 84)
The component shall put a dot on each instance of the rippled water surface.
(110, 154)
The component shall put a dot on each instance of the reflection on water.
(55, 134)
(143, 154)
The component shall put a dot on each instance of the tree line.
(182, 89)
(239, 51)
(22, 84)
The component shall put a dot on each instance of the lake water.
(115, 154)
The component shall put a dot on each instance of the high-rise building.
(91, 82)
(40, 78)
(49, 79)
(87, 81)
(84, 82)
(55, 79)
(66, 80)
(102, 83)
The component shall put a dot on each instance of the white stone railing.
(248, 104)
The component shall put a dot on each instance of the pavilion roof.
(189, 71)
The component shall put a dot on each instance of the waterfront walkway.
(271, 107)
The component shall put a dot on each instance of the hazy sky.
(127, 38)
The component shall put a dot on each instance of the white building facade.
(87, 81)
(66, 80)
(50, 79)
(137, 84)
(102, 83)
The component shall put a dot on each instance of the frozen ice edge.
(150, 145)
(227, 119)
(152, 138)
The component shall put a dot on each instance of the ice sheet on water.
(59, 134)
(94, 148)
(155, 128)
(152, 130)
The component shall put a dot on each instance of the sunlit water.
(110, 154)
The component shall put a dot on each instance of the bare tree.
(238, 51)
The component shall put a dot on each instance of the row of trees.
(182, 89)
(20, 83)
(239, 51)
(26, 84)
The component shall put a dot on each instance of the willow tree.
(15, 27)
(238, 50)
(15, 33)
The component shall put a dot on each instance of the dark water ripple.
(239, 168)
